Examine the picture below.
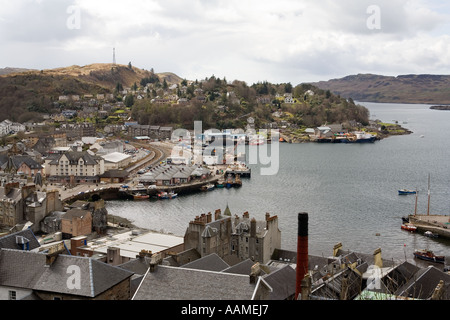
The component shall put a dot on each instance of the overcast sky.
(251, 40)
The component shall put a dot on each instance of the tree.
(130, 66)
(129, 101)
(288, 88)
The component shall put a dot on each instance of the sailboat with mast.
(406, 223)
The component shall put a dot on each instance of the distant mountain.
(422, 88)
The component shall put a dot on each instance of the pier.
(437, 224)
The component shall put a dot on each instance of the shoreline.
(289, 137)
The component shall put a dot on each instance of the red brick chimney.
(302, 252)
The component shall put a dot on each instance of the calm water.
(349, 190)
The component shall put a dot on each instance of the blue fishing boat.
(229, 183)
(406, 191)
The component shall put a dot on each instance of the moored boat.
(229, 182)
(428, 255)
(237, 181)
(207, 187)
(430, 234)
(359, 137)
(140, 196)
(409, 227)
(167, 195)
(406, 191)
(220, 183)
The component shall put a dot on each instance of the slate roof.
(399, 276)
(179, 283)
(282, 281)
(29, 162)
(27, 270)
(9, 241)
(243, 267)
(115, 173)
(74, 157)
(137, 266)
(211, 262)
(75, 212)
(423, 283)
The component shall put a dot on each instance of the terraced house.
(74, 167)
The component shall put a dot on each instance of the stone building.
(11, 205)
(209, 236)
(254, 239)
(39, 205)
(76, 222)
(234, 238)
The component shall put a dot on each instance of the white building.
(116, 160)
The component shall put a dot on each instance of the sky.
(279, 41)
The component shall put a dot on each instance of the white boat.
(208, 187)
(431, 234)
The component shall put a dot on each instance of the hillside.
(223, 105)
(26, 93)
(424, 88)
(7, 70)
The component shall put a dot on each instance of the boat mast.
(415, 207)
(428, 209)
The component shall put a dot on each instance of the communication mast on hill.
(114, 56)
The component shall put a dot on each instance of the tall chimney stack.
(302, 252)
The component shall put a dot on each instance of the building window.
(12, 295)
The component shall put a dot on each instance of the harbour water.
(348, 190)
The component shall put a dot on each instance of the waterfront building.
(75, 167)
(167, 175)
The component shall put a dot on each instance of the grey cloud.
(38, 22)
